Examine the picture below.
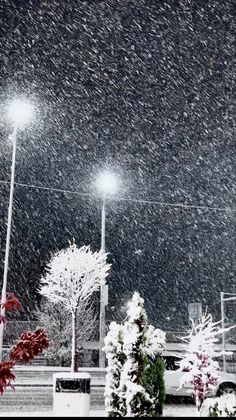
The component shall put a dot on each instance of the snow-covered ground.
(180, 410)
(170, 410)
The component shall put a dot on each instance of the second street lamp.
(107, 184)
(19, 112)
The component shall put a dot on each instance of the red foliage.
(202, 387)
(12, 303)
(6, 375)
(29, 345)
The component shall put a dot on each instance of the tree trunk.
(198, 405)
(74, 362)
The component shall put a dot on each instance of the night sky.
(145, 89)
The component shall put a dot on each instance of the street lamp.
(106, 183)
(19, 113)
(231, 297)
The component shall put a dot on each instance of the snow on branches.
(223, 406)
(114, 402)
(73, 275)
(130, 350)
(199, 367)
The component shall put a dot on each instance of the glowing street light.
(19, 112)
(106, 183)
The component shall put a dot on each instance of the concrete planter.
(71, 394)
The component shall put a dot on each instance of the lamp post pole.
(223, 328)
(103, 227)
(232, 297)
(7, 249)
(107, 184)
(103, 288)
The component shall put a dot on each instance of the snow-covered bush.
(114, 400)
(131, 350)
(138, 401)
(198, 364)
(223, 406)
(73, 275)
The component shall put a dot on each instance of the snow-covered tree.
(140, 341)
(136, 344)
(73, 275)
(53, 316)
(198, 364)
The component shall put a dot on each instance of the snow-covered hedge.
(224, 406)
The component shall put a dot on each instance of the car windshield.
(171, 362)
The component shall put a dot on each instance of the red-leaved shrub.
(6, 375)
(29, 345)
(12, 303)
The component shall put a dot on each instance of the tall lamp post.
(107, 184)
(19, 113)
(231, 297)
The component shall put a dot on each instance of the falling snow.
(146, 90)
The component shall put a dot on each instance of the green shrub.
(153, 383)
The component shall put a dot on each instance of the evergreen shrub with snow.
(153, 382)
(223, 406)
(114, 401)
(135, 369)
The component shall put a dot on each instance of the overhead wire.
(130, 199)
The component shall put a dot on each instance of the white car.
(227, 381)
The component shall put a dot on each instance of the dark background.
(146, 89)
